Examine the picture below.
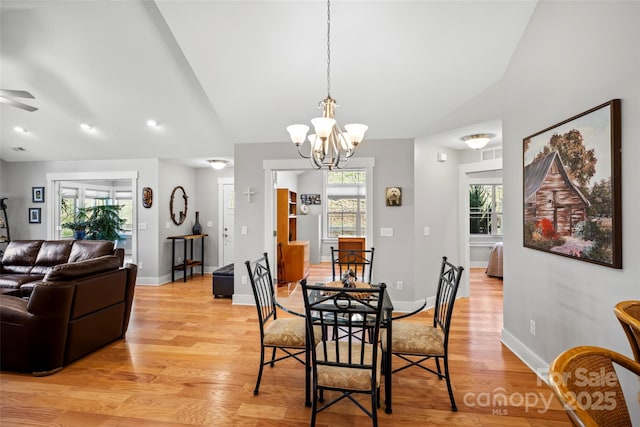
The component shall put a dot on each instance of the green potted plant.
(79, 223)
(105, 223)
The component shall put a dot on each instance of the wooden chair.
(284, 334)
(585, 381)
(359, 261)
(628, 313)
(348, 365)
(415, 343)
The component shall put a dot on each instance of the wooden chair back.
(628, 313)
(586, 383)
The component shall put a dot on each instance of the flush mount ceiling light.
(218, 164)
(478, 140)
(86, 126)
(329, 145)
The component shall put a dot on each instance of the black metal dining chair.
(417, 342)
(349, 365)
(284, 334)
(360, 262)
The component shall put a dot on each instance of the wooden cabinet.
(287, 219)
(351, 244)
(293, 254)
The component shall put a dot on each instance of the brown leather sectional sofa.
(25, 262)
(72, 310)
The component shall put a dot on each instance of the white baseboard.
(524, 353)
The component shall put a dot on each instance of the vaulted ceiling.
(215, 73)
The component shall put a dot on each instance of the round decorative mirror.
(178, 206)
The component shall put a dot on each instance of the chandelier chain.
(329, 48)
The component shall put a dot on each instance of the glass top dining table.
(291, 300)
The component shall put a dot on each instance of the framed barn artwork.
(572, 194)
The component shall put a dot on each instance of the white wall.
(436, 207)
(572, 57)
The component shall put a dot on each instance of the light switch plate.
(386, 232)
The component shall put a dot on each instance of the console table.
(187, 263)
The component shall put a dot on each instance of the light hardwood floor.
(190, 359)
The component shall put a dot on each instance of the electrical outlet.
(244, 280)
(532, 327)
(179, 259)
(399, 284)
(139, 265)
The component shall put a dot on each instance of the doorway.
(226, 213)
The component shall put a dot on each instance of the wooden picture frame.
(37, 194)
(572, 187)
(35, 216)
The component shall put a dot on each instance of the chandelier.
(329, 146)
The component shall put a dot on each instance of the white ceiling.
(215, 73)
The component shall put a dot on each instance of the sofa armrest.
(34, 333)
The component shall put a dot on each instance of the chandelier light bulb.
(298, 133)
(323, 126)
(356, 132)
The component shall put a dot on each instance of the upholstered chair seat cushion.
(415, 338)
(345, 377)
(285, 332)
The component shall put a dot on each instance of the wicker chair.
(416, 343)
(349, 365)
(284, 334)
(590, 403)
(628, 313)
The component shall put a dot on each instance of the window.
(75, 195)
(485, 209)
(346, 205)
(123, 198)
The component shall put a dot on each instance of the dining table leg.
(307, 371)
(387, 370)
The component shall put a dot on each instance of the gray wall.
(594, 60)
(393, 167)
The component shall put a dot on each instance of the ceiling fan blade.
(17, 104)
(16, 93)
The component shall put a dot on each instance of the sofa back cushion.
(77, 270)
(87, 249)
(20, 256)
(52, 252)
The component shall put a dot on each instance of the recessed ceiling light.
(152, 123)
(20, 129)
(86, 126)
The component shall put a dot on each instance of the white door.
(228, 213)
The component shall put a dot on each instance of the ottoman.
(223, 281)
